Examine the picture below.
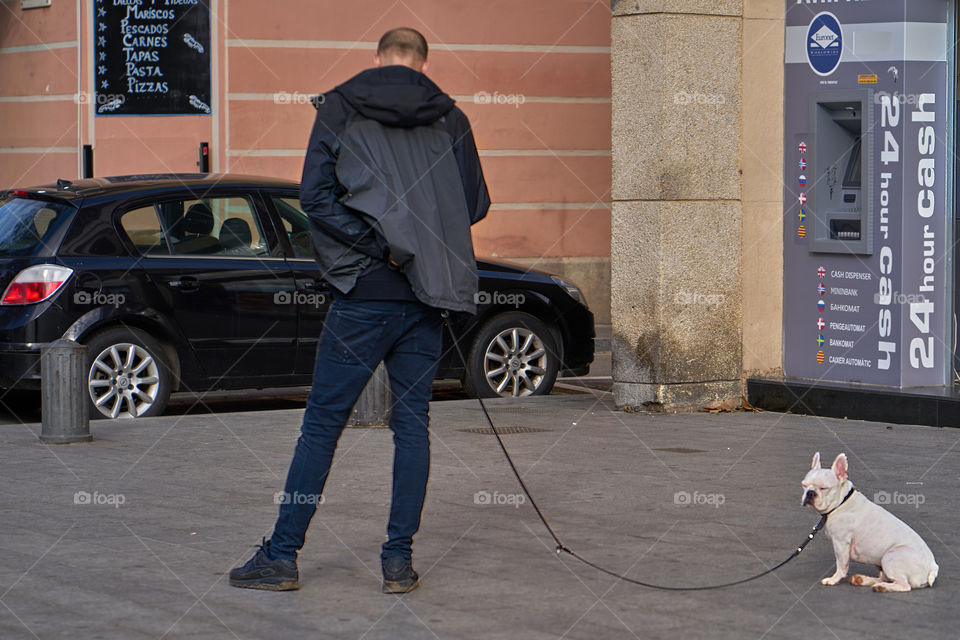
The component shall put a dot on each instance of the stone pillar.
(761, 156)
(677, 210)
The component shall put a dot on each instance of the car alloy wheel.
(513, 356)
(515, 362)
(124, 381)
(128, 376)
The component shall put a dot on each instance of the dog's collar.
(845, 498)
(820, 523)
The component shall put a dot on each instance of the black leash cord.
(562, 548)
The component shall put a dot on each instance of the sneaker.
(399, 576)
(260, 572)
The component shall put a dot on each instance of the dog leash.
(562, 548)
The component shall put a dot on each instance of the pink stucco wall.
(547, 159)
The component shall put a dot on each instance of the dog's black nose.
(808, 497)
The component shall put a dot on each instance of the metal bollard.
(373, 405)
(64, 402)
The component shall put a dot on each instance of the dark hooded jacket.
(392, 172)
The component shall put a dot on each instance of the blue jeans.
(356, 336)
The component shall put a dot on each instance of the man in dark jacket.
(391, 182)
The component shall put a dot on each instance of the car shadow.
(25, 406)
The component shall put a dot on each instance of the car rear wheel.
(128, 376)
(513, 355)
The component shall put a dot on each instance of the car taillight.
(35, 284)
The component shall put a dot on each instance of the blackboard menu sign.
(152, 57)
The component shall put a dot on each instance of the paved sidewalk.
(175, 502)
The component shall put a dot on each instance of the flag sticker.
(802, 215)
(802, 147)
(821, 289)
(803, 164)
(820, 357)
(821, 305)
(821, 324)
(802, 180)
(802, 232)
(820, 340)
(821, 272)
(802, 198)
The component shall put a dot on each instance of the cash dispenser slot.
(840, 172)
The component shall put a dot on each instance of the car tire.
(513, 355)
(128, 375)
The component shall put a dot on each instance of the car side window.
(296, 224)
(143, 227)
(214, 227)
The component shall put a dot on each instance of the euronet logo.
(824, 43)
(824, 37)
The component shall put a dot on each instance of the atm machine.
(868, 194)
(835, 163)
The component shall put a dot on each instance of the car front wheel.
(513, 355)
(127, 375)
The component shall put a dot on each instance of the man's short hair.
(403, 41)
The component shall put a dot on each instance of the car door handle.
(307, 285)
(187, 284)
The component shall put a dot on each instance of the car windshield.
(28, 226)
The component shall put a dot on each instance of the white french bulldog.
(865, 532)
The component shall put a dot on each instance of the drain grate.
(487, 431)
(681, 450)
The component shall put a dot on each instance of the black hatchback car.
(194, 282)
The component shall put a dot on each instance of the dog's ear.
(840, 466)
(815, 464)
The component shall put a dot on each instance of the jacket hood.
(396, 96)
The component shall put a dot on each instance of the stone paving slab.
(175, 502)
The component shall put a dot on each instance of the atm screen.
(851, 177)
